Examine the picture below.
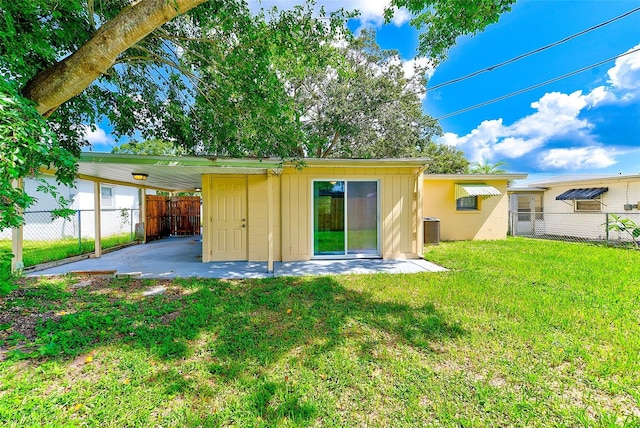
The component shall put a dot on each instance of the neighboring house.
(469, 206)
(574, 206)
(119, 206)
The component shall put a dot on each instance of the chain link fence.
(48, 238)
(594, 227)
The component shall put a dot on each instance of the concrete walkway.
(180, 257)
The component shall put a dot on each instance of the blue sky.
(588, 123)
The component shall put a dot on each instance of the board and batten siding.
(400, 212)
(288, 207)
(259, 217)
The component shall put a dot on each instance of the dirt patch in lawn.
(32, 304)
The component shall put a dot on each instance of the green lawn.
(332, 242)
(36, 252)
(518, 333)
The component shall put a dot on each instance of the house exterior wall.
(400, 216)
(562, 220)
(258, 217)
(40, 226)
(620, 192)
(490, 221)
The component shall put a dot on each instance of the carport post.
(143, 213)
(17, 235)
(97, 219)
(269, 220)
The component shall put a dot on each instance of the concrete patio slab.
(180, 257)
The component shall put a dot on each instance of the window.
(106, 197)
(467, 203)
(588, 205)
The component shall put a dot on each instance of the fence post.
(79, 231)
(606, 227)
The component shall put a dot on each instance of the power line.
(521, 91)
(535, 51)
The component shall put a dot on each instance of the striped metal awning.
(476, 189)
(581, 194)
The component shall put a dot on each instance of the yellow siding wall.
(491, 221)
(257, 222)
(207, 200)
(400, 214)
(296, 216)
(291, 205)
(257, 217)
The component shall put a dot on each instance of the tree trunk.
(59, 83)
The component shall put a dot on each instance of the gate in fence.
(172, 215)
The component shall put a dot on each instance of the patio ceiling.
(167, 173)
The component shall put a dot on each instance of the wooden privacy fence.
(172, 215)
(362, 213)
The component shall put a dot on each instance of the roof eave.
(476, 177)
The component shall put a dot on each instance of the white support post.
(419, 212)
(143, 213)
(269, 221)
(97, 219)
(17, 239)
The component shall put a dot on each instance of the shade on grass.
(517, 333)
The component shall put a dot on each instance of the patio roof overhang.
(184, 173)
(168, 173)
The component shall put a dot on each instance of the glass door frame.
(346, 255)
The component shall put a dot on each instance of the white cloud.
(600, 95)
(556, 116)
(515, 147)
(625, 75)
(409, 66)
(577, 158)
(401, 17)
(98, 136)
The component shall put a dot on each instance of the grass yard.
(518, 333)
(36, 252)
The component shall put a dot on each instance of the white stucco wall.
(561, 219)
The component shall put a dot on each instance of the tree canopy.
(444, 159)
(208, 75)
(153, 147)
(364, 105)
(443, 21)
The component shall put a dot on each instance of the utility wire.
(535, 51)
(555, 79)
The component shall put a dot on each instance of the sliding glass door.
(345, 218)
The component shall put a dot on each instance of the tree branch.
(69, 77)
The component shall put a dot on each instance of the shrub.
(6, 278)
